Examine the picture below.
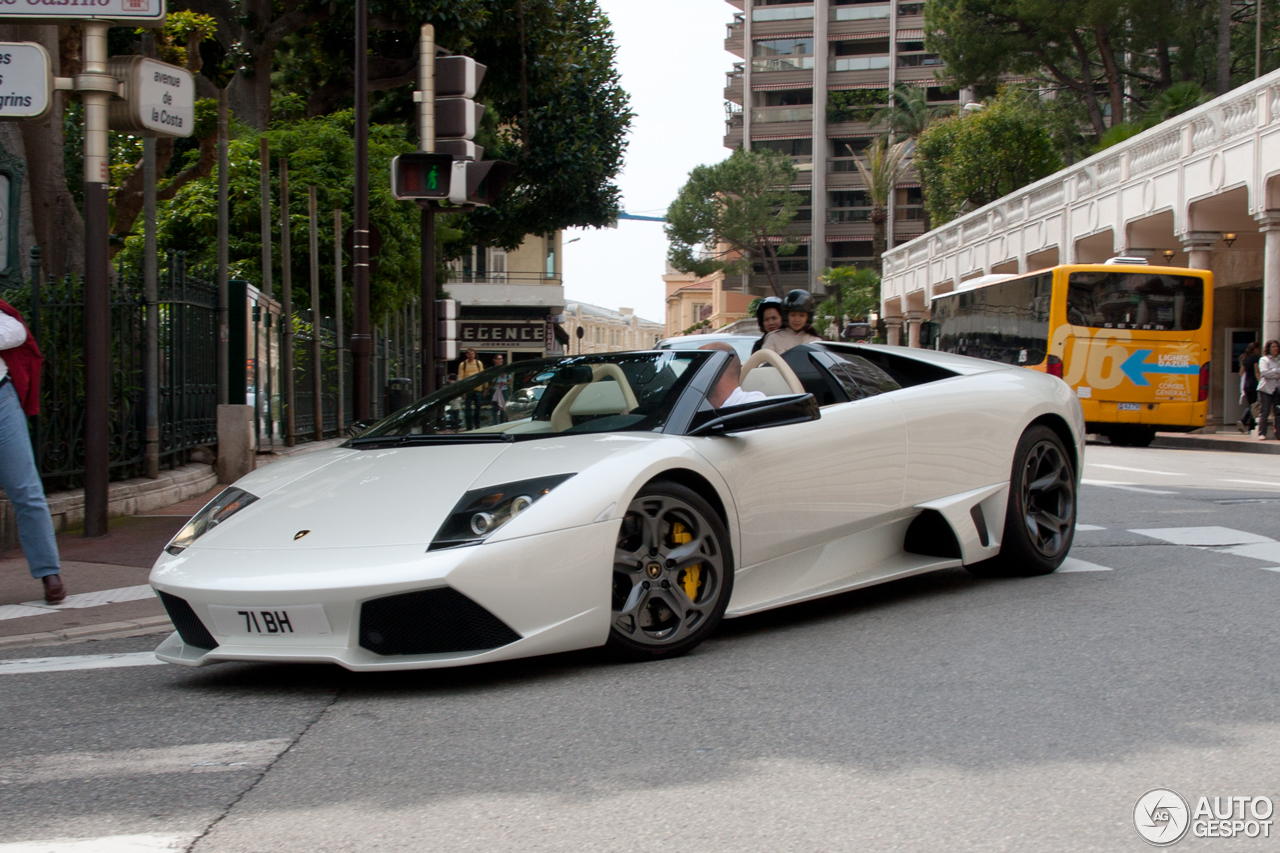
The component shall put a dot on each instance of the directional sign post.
(26, 80)
(158, 99)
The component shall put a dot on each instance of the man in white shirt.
(727, 391)
(21, 480)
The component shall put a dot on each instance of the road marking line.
(187, 758)
(1089, 527)
(78, 601)
(1250, 482)
(1203, 536)
(74, 662)
(1271, 568)
(1135, 470)
(1128, 487)
(1071, 564)
(109, 844)
(1266, 551)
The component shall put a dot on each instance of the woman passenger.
(768, 318)
(797, 308)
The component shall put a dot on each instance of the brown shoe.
(54, 591)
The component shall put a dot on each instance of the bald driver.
(727, 391)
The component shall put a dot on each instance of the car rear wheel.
(1041, 520)
(672, 574)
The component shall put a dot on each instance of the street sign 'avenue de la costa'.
(129, 12)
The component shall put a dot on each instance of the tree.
(881, 170)
(851, 292)
(909, 112)
(1173, 101)
(733, 216)
(977, 157)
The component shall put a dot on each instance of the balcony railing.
(842, 164)
(765, 115)
(473, 277)
(913, 60)
(909, 9)
(849, 214)
(782, 63)
(781, 13)
(858, 13)
(857, 63)
(734, 29)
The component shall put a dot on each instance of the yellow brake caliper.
(690, 578)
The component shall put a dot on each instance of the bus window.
(1007, 321)
(1135, 300)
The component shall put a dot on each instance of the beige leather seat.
(767, 373)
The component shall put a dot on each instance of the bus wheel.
(1132, 436)
(1041, 520)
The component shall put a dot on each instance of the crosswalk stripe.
(1071, 564)
(74, 662)
(186, 758)
(109, 844)
(76, 602)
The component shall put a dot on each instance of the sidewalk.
(1234, 441)
(106, 577)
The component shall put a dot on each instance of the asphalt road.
(936, 713)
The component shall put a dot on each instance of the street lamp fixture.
(1168, 255)
(1229, 237)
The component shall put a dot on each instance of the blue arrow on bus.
(1135, 366)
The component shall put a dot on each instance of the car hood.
(353, 498)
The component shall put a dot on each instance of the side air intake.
(188, 624)
(433, 621)
(931, 536)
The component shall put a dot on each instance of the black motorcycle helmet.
(773, 302)
(798, 300)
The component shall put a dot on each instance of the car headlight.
(482, 511)
(226, 504)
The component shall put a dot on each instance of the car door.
(799, 489)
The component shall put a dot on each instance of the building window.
(793, 54)
(790, 147)
(551, 255)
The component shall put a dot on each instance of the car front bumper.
(552, 589)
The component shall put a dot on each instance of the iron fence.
(54, 309)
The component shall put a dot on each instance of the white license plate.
(294, 620)
(1130, 407)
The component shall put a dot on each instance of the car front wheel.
(1041, 520)
(672, 574)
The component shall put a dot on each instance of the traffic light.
(481, 183)
(457, 79)
(421, 175)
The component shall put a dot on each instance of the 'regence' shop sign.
(502, 334)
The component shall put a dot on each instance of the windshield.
(741, 343)
(613, 392)
(1129, 300)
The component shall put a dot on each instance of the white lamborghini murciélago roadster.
(625, 504)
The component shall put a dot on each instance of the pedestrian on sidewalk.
(20, 361)
(1249, 385)
(1269, 387)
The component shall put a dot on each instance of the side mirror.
(775, 411)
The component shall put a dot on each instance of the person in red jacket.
(20, 396)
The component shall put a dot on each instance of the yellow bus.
(1133, 341)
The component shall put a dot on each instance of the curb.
(104, 631)
(1243, 444)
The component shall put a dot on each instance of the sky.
(672, 61)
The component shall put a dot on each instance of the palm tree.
(909, 112)
(884, 166)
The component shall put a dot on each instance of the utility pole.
(96, 86)
(427, 252)
(361, 340)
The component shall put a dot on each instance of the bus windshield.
(1008, 321)
(1156, 302)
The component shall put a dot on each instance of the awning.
(910, 35)
(771, 36)
(794, 238)
(848, 238)
(800, 134)
(882, 34)
(844, 87)
(764, 87)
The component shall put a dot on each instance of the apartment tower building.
(812, 75)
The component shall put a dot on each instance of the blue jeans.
(21, 484)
